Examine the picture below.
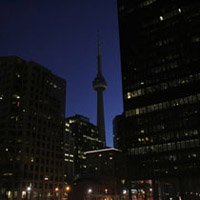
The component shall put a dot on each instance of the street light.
(89, 191)
(68, 188)
(67, 191)
(28, 189)
(57, 193)
(124, 191)
(106, 190)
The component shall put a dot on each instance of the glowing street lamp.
(28, 189)
(68, 188)
(57, 192)
(124, 191)
(106, 190)
(67, 191)
(89, 191)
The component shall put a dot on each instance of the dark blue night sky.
(62, 36)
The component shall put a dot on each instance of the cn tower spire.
(99, 85)
(99, 64)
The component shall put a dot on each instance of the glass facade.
(160, 57)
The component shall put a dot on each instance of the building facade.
(32, 109)
(101, 179)
(85, 136)
(69, 151)
(118, 130)
(160, 57)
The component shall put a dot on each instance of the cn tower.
(99, 85)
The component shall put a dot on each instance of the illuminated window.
(55, 86)
(23, 194)
(147, 3)
(128, 95)
(9, 194)
(164, 105)
(16, 96)
(137, 111)
(161, 18)
(18, 75)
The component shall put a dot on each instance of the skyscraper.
(118, 129)
(99, 84)
(160, 57)
(86, 138)
(32, 109)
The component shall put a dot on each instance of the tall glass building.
(160, 57)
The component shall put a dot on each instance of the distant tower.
(99, 84)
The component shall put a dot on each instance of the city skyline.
(57, 59)
(62, 37)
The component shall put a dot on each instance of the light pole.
(57, 193)
(28, 189)
(68, 189)
(89, 192)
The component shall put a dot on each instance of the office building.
(32, 109)
(118, 132)
(86, 138)
(69, 151)
(160, 57)
(103, 164)
(102, 178)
